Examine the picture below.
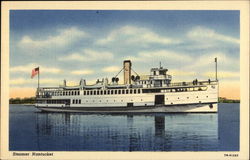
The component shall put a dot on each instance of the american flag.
(34, 72)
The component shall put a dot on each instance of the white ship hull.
(193, 101)
(195, 108)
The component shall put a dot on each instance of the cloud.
(64, 37)
(132, 35)
(223, 74)
(203, 34)
(22, 81)
(73, 57)
(206, 60)
(28, 68)
(19, 81)
(163, 55)
(182, 73)
(82, 72)
(88, 55)
(111, 69)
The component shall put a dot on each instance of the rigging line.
(119, 72)
(134, 71)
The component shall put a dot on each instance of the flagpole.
(38, 76)
(216, 69)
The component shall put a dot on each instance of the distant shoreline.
(23, 101)
(27, 104)
(225, 100)
(31, 101)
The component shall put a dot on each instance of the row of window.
(70, 93)
(76, 101)
(54, 101)
(104, 101)
(109, 92)
(120, 91)
(155, 82)
(186, 89)
(175, 90)
(60, 93)
(91, 92)
(188, 97)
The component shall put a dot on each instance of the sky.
(92, 44)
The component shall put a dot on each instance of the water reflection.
(126, 132)
(159, 126)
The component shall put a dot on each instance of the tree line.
(225, 100)
(26, 100)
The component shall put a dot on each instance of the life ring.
(211, 106)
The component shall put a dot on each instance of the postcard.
(125, 80)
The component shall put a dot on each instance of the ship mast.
(215, 60)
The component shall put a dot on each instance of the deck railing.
(194, 83)
(49, 90)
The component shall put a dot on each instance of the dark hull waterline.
(142, 109)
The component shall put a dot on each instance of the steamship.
(153, 93)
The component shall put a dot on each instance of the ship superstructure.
(155, 93)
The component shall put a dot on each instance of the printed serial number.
(231, 155)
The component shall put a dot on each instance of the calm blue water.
(32, 130)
